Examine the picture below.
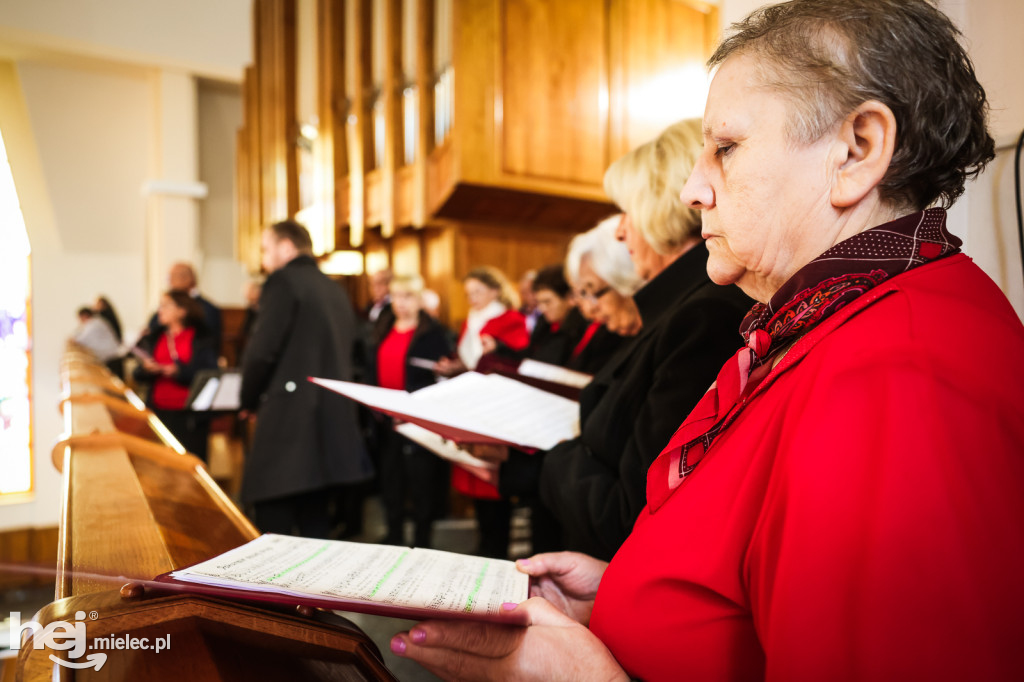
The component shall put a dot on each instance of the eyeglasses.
(593, 296)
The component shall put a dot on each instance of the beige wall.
(77, 168)
(96, 98)
(205, 37)
(220, 117)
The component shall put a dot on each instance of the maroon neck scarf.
(818, 290)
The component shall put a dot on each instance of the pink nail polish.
(397, 645)
(418, 636)
(509, 606)
(525, 563)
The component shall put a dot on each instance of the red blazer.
(860, 520)
(509, 330)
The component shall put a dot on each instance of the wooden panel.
(275, 66)
(404, 196)
(513, 249)
(406, 253)
(392, 99)
(253, 128)
(358, 123)
(553, 102)
(658, 49)
(424, 109)
(331, 106)
(34, 550)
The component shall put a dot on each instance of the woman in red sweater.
(494, 324)
(181, 349)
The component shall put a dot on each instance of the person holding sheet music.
(594, 484)
(845, 503)
(494, 324)
(407, 470)
(182, 348)
(561, 326)
(601, 273)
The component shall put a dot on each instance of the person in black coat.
(595, 484)
(408, 471)
(307, 442)
(560, 326)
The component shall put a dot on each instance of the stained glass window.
(15, 415)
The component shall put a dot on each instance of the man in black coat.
(307, 442)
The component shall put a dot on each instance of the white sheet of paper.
(229, 397)
(383, 574)
(554, 373)
(204, 400)
(442, 447)
(490, 405)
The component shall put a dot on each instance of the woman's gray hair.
(828, 57)
(608, 257)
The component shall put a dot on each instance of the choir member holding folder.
(493, 324)
(407, 470)
(845, 503)
(594, 484)
(601, 273)
(182, 348)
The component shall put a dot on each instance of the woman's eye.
(723, 149)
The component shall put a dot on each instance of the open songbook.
(475, 408)
(401, 582)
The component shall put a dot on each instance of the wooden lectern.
(135, 506)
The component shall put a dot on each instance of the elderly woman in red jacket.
(845, 502)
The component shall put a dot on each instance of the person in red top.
(494, 325)
(406, 469)
(182, 348)
(845, 501)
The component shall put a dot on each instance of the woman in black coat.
(595, 484)
(408, 471)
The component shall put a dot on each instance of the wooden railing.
(135, 505)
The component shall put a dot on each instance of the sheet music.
(229, 397)
(554, 373)
(441, 447)
(490, 405)
(383, 574)
(422, 363)
(205, 397)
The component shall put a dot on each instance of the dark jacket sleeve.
(204, 356)
(273, 327)
(598, 498)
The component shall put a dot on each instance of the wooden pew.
(135, 506)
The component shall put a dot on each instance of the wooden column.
(275, 66)
(392, 94)
(424, 108)
(332, 161)
(358, 123)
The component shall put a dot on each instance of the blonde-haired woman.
(657, 227)
(407, 470)
(595, 484)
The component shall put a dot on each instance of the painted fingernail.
(509, 606)
(525, 563)
(418, 636)
(397, 645)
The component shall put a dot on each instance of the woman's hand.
(488, 343)
(489, 453)
(568, 580)
(552, 646)
(447, 367)
(487, 475)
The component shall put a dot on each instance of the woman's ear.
(866, 141)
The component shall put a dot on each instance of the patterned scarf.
(817, 291)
